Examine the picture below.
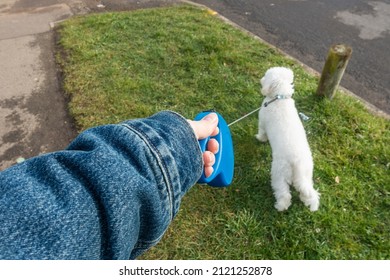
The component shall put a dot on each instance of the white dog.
(279, 122)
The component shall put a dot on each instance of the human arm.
(110, 195)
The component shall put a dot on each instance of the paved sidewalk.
(33, 110)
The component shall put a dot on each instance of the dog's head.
(277, 81)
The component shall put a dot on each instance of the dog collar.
(276, 98)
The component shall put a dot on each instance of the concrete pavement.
(33, 114)
(33, 110)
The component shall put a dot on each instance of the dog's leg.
(311, 200)
(261, 135)
(309, 196)
(303, 183)
(280, 177)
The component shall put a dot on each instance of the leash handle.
(222, 175)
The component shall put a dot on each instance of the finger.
(213, 146)
(205, 127)
(215, 132)
(208, 171)
(208, 159)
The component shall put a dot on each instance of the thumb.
(208, 126)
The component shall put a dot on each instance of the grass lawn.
(127, 65)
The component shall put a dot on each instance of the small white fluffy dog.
(279, 122)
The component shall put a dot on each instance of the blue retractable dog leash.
(222, 175)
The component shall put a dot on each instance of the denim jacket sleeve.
(110, 195)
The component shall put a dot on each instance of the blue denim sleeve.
(110, 195)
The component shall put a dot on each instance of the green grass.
(126, 65)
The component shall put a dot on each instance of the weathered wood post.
(336, 62)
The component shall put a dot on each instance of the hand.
(208, 126)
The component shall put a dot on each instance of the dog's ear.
(263, 86)
(275, 86)
(270, 85)
(278, 80)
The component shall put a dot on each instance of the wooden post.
(333, 70)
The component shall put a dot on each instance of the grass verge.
(126, 65)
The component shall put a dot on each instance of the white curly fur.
(279, 122)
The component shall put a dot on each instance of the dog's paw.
(314, 207)
(283, 204)
(261, 137)
(312, 201)
(314, 204)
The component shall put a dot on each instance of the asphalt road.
(305, 29)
